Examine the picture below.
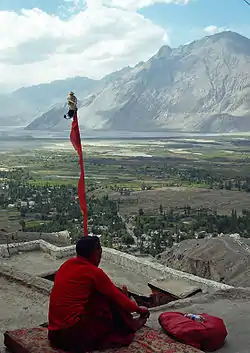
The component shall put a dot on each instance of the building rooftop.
(38, 263)
(232, 305)
(24, 294)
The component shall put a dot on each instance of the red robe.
(88, 309)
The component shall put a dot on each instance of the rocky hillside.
(222, 259)
(203, 86)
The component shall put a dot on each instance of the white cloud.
(37, 47)
(210, 30)
(139, 4)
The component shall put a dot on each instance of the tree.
(141, 212)
(238, 184)
(228, 185)
(180, 237)
(170, 241)
(7, 240)
(127, 239)
(171, 213)
(141, 244)
(234, 223)
(22, 224)
(221, 184)
(158, 244)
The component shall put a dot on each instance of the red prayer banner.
(76, 142)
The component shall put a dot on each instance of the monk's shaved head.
(87, 246)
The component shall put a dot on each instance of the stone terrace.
(24, 295)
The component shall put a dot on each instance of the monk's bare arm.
(105, 286)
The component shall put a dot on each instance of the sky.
(45, 40)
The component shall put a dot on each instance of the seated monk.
(87, 311)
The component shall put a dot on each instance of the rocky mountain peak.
(202, 86)
(164, 52)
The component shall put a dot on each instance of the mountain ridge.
(200, 87)
(33, 100)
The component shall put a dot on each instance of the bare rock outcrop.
(222, 259)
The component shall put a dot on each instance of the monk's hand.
(144, 312)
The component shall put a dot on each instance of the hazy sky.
(44, 40)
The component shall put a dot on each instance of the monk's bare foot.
(139, 323)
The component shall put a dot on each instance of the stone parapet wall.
(149, 269)
(155, 270)
(15, 248)
(57, 238)
(36, 245)
(57, 252)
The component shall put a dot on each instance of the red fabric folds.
(75, 283)
(76, 142)
(104, 326)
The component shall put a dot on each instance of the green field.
(138, 165)
(180, 188)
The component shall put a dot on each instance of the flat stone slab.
(177, 288)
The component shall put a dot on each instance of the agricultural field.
(143, 184)
(222, 201)
(173, 170)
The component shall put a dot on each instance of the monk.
(87, 311)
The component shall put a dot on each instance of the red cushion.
(209, 335)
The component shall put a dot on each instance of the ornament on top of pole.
(72, 106)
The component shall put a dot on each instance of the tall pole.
(75, 138)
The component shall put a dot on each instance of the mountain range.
(203, 86)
